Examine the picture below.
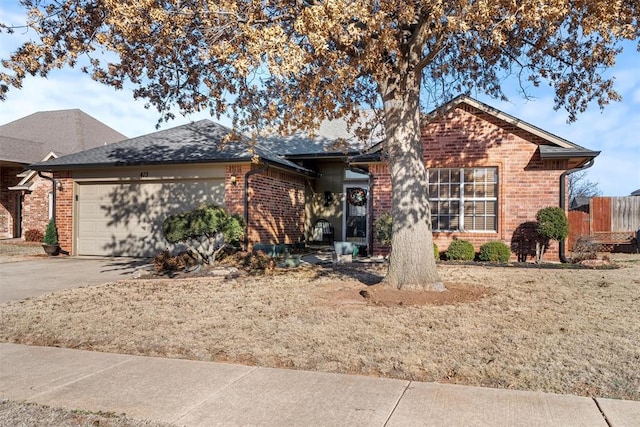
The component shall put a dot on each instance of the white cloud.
(71, 89)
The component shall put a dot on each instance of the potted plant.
(50, 240)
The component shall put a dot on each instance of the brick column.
(64, 211)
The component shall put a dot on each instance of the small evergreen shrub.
(494, 251)
(207, 231)
(383, 227)
(204, 221)
(552, 223)
(33, 235)
(50, 234)
(460, 250)
(436, 252)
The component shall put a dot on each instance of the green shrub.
(204, 221)
(460, 250)
(383, 226)
(494, 251)
(50, 234)
(552, 223)
(33, 235)
(206, 231)
(436, 252)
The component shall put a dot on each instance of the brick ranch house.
(489, 173)
(26, 199)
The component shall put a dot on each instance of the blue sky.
(615, 131)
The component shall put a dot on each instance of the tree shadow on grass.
(125, 265)
(365, 273)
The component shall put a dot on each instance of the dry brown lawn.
(13, 250)
(21, 414)
(559, 330)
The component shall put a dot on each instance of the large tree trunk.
(412, 265)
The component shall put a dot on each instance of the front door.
(355, 213)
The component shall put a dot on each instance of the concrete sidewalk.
(195, 393)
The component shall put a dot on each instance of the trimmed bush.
(206, 221)
(494, 251)
(50, 234)
(552, 223)
(460, 250)
(33, 235)
(383, 226)
(206, 231)
(436, 252)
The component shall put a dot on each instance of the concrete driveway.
(32, 277)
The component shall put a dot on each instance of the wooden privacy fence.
(611, 221)
(578, 227)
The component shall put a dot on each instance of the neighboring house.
(489, 173)
(580, 203)
(26, 199)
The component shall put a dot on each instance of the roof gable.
(28, 176)
(507, 119)
(550, 146)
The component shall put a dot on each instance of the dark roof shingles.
(61, 131)
(197, 142)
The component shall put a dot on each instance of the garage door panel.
(126, 219)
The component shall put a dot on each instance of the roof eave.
(569, 154)
(20, 188)
(43, 167)
(365, 159)
(316, 156)
(299, 170)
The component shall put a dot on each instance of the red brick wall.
(35, 207)
(276, 203)
(381, 199)
(276, 207)
(8, 200)
(466, 137)
(234, 194)
(64, 211)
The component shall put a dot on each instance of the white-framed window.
(349, 174)
(464, 199)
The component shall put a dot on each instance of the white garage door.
(126, 219)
